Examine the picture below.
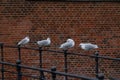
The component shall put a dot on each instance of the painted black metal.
(19, 53)
(42, 77)
(79, 54)
(18, 69)
(2, 59)
(96, 64)
(49, 71)
(18, 62)
(53, 71)
(65, 63)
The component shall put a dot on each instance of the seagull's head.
(70, 40)
(27, 37)
(81, 44)
(96, 46)
(48, 38)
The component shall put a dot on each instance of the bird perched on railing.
(68, 44)
(44, 43)
(24, 41)
(88, 46)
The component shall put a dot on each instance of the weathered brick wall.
(95, 22)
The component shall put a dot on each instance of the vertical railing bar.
(53, 69)
(2, 59)
(19, 53)
(65, 63)
(96, 64)
(18, 62)
(42, 77)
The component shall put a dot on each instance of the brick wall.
(95, 22)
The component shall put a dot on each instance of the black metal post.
(65, 63)
(19, 53)
(19, 73)
(97, 64)
(18, 62)
(2, 59)
(42, 77)
(53, 74)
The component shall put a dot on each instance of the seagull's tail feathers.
(60, 47)
(37, 42)
(96, 46)
(19, 43)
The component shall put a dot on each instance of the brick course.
(95, 22)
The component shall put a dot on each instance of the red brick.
(96, 22)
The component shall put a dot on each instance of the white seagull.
(43, 43)
(68, 44)
(88, 46)
(24, 41)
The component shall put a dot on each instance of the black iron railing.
(53, 72)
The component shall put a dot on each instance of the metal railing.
(53, 72)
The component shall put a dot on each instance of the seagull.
(43, 43)
(24, 41)
(88, 46)
(68, 44)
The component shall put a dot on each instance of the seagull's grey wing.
(66, 45)
(22, 42)
(89, 47)
(43, 43)
(69, 45)
(63, 45)
(40, 43)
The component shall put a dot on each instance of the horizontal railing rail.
(45, 70)
(79, 54)
(53, 72)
